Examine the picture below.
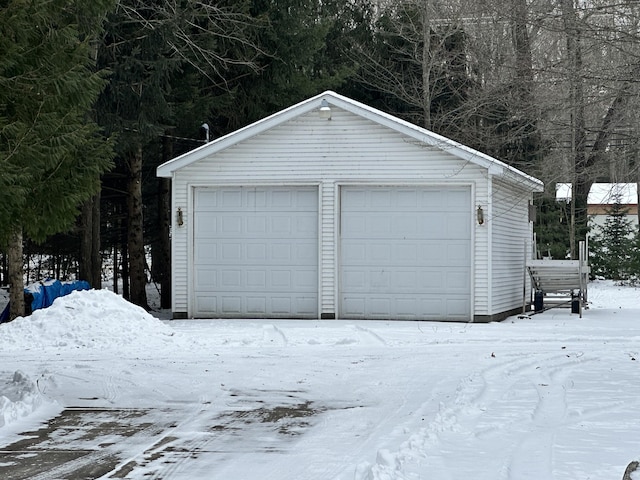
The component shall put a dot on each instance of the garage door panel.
(256, 305)
(307, 305)
(380, 253)
(205, 253)
(386, 252)
(457, 255)
(405, 252)
(256, 252)
(458, 226)
(280, 305)
(431, 196)
(281, 279)
(457, 281)
(281, 252)
(431, 282)
(305, 280)
(207, 225)
(455, 309)
(354, 251)
(353, 306)
(256, 225)
(231, 252)
(305, 253)
(407, 225)
(354, 226)
(356, 279)
(304, 225)
(405, 280)
(453, 201)
(231, 304)
(407, 198)
(206, 303)
(405, 307)
(432, 255)
(257, 279)
(231, 198)
(256, 198)
(230, 225)
(230, 279)
(207, 278)
(252, 253)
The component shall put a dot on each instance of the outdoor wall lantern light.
(325, 110)
(480, 215)
(180, 218)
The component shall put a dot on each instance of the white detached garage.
(332, 209)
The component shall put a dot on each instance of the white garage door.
(405, 253)
(255, 252)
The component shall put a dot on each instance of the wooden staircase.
(560, 282)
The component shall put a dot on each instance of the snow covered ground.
(547, 397)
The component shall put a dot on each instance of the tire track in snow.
(533, 457)
(368, 336)
(110, 389)
(272, 335)
(475, 394)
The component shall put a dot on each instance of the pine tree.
(51, 154)
(301, 47)
(613, 247)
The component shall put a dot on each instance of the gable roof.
(422, 135)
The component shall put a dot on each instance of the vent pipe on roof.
(204, 132)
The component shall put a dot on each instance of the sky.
(546, 396)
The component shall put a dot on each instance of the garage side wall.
(511, 235)
(309, 150)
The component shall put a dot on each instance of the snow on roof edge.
(603, 193)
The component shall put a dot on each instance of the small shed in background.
(332, 209)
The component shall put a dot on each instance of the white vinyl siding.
(510, 228)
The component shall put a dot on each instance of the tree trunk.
(115, 268)
(90, 258)
(16, 274)
(162, 261)
(124, 260)
(86, 244)
(164, 253)
(526, 109)
(96, 262)
(135, 232)
(578, 126)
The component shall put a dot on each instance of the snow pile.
(20, 397)
(86, 319)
